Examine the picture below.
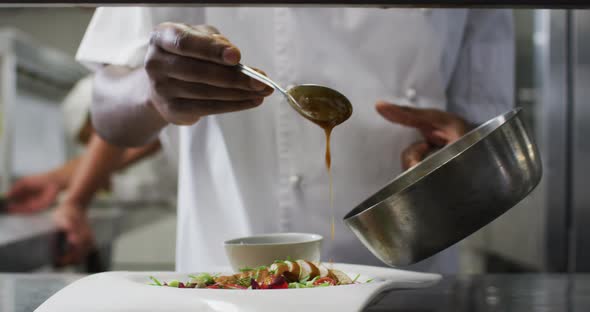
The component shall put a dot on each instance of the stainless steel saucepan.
(451, 194)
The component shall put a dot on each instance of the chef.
(248, 167)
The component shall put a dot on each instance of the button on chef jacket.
(262, 170)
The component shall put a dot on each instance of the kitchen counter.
(473, 293)
(29, 242)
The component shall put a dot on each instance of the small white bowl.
(258, 250)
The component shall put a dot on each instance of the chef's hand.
(438, 129)
(191, 74)
(33, 193)
(72, 220)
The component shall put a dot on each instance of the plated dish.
(282, 274)
(130, 291)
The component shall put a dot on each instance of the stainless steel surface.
(560, 204)
(451, 194)
(553, 107)
(561, 201)
(28, 242)
(471, 293)
(7, 96)
(340, 110)
(580, 123)
(26, 292)
(494, 293)
(542, 57)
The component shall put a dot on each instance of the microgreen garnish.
(155, 280)
(245, 281)
(203, 279)
(248, 269)
(304, 279)
(356, 278)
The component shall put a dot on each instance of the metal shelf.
(363, 3)
(27, 67)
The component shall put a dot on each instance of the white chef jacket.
(262, 170)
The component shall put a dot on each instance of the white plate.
(130, 292)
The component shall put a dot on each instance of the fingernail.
(231, 56)
(266, 91)
(257, 85)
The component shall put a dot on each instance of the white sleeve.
(482, 85)
(120, 35)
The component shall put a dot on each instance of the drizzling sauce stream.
(328, 132)
(327, 111)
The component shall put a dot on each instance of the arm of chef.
(482, 85)
(150, 73)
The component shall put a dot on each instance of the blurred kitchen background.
(135, 226)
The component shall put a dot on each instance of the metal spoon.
(321, 105)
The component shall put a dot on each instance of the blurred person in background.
(83, 176)
(261, 169)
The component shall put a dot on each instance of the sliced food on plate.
(279, 275)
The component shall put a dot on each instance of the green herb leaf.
(356, 277)
(156, 281)
(369, 280)
(304, 279)
(202, 280)
(297, 285)
(245, 281)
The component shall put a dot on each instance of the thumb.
(414, 154)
